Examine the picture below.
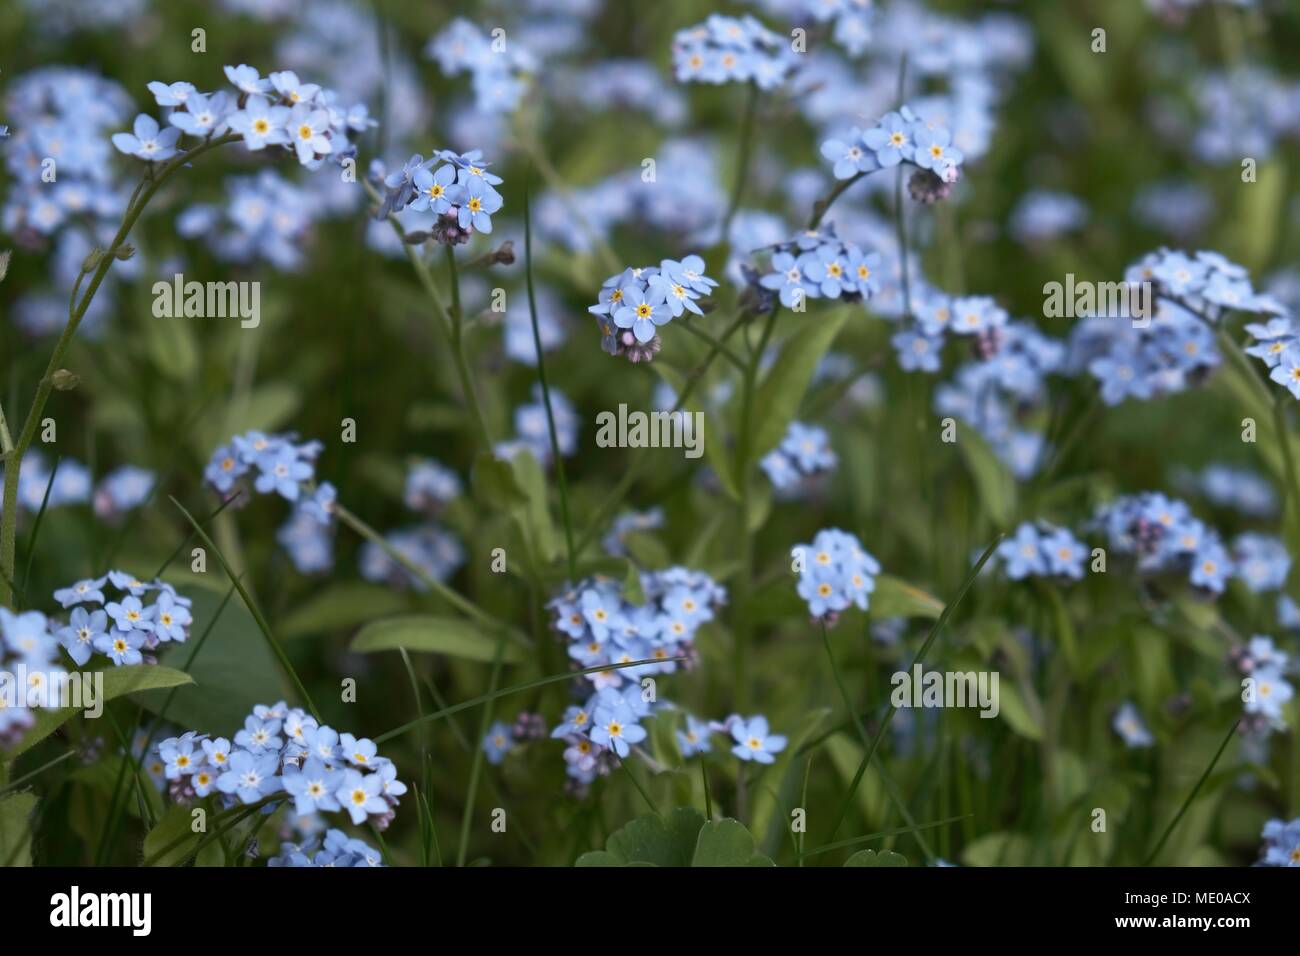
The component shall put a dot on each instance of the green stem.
(254, 610)
(920, 656)
(546, 389)
(467, 607)
(13, 461)
(476, 767)
(742, 160)
(449, 324)
(615, 497)
(1160, 845)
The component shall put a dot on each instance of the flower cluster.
(497, 66)
(122, 618)
(26, 643)
(1265, 689)
(455, 188)
(283, 749)
(263, 217)
(1174, 348)
(277, 110)
(121, 490)
(337, 850)
(430, 486)
(752, 739)
(834, 572)
(633, 304)
(726, 49)
(1039, 550)
(816, 264)
(897, 138)
(1164, 536)
(803, 453)
(601, 626)
(1281, 843)
(1240, 489)
(431, 549)
(1007, 377)
(278, 465)
(691, 211)
(1260, 561)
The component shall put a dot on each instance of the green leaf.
(267, 408)
(533, 514)
(999, 849)
(993, 481)
(726, 842)
(495, 484)
(651, 841)
(340, 608)
(872, 858)
(1024, 719)
(431, 634)
(118, 682)
(176, 823)
(15, 829)
(894, 597)
(234, 671)
(777, 400)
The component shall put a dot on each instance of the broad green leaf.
(15, 829)
(267, 408)
(894, 597)
(431, 634)
(727, 843)
(495, 484)
(781, 392)
(234, 670)
(338, 608)
(118, 682)
(872, 858)
(651, 841)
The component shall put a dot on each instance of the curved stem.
(546, 389)
(145, 191)
(742, 160)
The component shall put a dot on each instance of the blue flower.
(87, 591)
(1022, 554)
(497, 742)
(83, 630)
(259, 734)
(314, 788)
(250, 777)
(361, 795)
(933, 150)
(1287, 370)
(170, 618)
(147, 141)
(641, 312)
(261, 124)
(890, 140)
(130, 614)
(433, 190)
(695, 738)
(614, 726)
(918, 351)
(1129, 725)
(754, 741)
(601, 612)
(849, 156)
(476, 201)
